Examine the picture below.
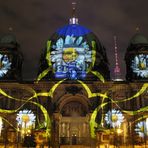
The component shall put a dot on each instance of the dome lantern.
(73, 19)
(138, 38)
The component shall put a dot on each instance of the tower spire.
(137, 29)
(74, 9)
(10, 29)
(73, 19)
(117, 71)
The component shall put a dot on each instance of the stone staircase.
(74, 146)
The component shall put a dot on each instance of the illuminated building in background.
(73, 101)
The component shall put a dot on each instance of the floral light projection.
(26, 121)
(71, 57)
(140, 65)
(5, 65)
(141, 129)
(1, 125)
(114, 118)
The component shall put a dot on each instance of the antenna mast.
(117, 71)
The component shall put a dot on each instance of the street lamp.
(146, 126)
(119, 131)
(1, 125)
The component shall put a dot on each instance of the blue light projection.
(140, 65)
(5, 64)
(73, 30)
(71, 58)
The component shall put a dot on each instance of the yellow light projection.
(93, 124)
(70, 54)
(47, 119)
(93, 53)
(131, 113)
(48, 53)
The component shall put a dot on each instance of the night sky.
(34, 21)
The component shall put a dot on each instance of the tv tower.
(117, 71)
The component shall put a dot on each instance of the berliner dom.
(73, 101)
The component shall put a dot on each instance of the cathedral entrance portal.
(74, 124)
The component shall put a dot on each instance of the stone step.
(74, 146)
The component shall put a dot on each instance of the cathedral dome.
(7, 39)
(139, 39)
(74, 52)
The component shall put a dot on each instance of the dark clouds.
(34, 21)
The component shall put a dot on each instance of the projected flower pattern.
(141, 129)
(114, 118)
(140, 65)
(5, 64)
(26, 121)
(71, 58)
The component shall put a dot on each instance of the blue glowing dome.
(72, 52)
(73, 30)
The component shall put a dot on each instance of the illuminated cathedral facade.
(73, 101)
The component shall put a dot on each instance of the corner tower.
(10, 58)
(137, 58)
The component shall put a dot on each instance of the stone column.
(68, 129)
(55, 131)
(84, 129)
